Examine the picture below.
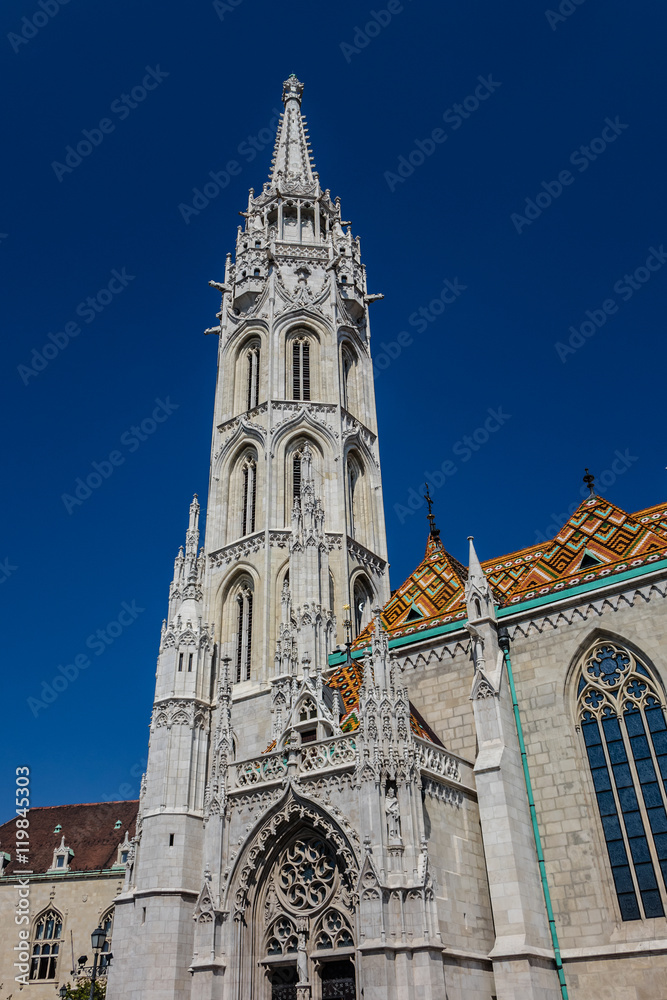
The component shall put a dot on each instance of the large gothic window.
(621, 711)
(301, 368)
(249, 496)
(243, 657)
(47, 933)
(252, 376)
(347, 363)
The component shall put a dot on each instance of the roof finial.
(433, 531)
(589, 479)
(347, 625)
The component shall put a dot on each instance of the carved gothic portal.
(304, 922)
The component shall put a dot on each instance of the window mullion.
(621, 816)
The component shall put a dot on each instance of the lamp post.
(62, 992)
(98, 940)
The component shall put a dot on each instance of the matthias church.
(455, 790)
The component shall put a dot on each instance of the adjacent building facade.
(466, 800)
(75, 863)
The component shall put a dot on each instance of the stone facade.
(400, 816)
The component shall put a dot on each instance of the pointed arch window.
(362, 604)
(244, 601)
(347, 364)
(249, 496)
(353, 476)
(106, 923)
(622, 715)
(301, 368)
(252, 377)
(47, 934)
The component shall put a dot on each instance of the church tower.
(294, 400)
(294, 534)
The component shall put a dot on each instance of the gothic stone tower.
(295, 531)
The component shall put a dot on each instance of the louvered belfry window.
(252, 359)
(249, 497)
(301, 369)
(622, 717)
(244, 634)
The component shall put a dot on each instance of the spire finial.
(589, 479)
(292, 165)
(347, 625)
(292, 88)
(430, 517)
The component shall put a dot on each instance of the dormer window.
(343, 279)
(256, 272)
(124, 851)
(62, 856)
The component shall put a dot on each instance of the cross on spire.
(430, 517)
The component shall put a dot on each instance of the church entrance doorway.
(283, 983)
(338, 981)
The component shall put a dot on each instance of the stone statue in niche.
(392, 812)
(302, 957)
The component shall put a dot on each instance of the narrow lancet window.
(301, 369)
(249, 497)
(252, 360)
(244, 634)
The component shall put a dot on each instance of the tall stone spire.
(292, 164)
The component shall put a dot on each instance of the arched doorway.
(307, 917)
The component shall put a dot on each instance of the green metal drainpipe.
(504, 643)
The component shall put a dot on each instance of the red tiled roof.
(88, 828)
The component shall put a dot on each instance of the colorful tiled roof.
(92, 830)
(598, 540)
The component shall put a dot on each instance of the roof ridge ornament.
(589, 479)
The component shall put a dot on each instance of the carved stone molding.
(443, 793)
(365, 557)
(181, 712)
(232, 553)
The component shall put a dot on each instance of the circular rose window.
(306, 873)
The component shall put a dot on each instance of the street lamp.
(98, 939)
(62, 992)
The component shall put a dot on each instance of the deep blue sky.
(493, 347)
